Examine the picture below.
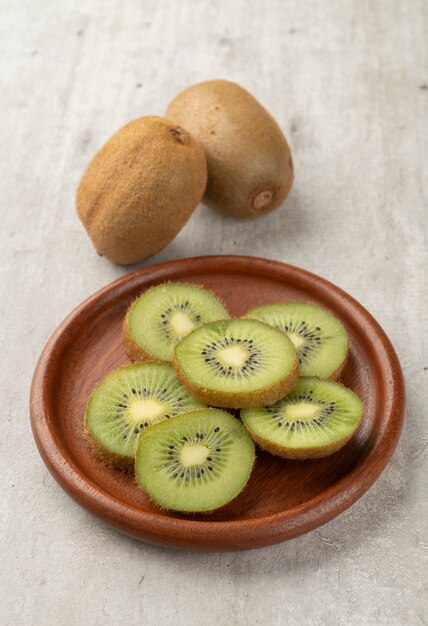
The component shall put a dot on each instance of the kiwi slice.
(320, 339)
(237, 363)
(314, 420)
(195, 463)
(129, 400)
(162, 315)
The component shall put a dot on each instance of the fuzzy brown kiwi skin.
(140, 189)
(134, 351)
(300, 454)
(257, 398)
(250, 168)
(122, 463)
(337, 373)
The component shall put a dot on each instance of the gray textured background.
(348, 82)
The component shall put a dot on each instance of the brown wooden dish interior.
(283, 498)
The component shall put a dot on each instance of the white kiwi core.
(301, 411)
(234, 356)
(296, 340)
(145, 410)
(194, 455)
(182, 323)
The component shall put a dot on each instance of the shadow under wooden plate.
(283, 498)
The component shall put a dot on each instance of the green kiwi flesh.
(196, 462)
(320, 339)
(236, 363)
(163, 315)
(129, 400)
(314, 420)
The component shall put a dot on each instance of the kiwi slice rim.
(135, 409)
(143, 349)
(266, 425)
(227, 394)
(307, 336)
(208, 450)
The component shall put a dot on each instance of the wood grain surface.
(283, 498)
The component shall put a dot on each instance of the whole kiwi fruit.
(250, 170)
(141, 188)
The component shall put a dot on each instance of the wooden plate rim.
(217, 535)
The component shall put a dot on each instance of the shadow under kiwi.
(211, 233)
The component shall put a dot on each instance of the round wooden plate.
(283, 498)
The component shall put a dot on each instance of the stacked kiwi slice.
(129, 400)
(236, 363)
(314, 420)
(164, 314)
(320, 339)
(196, 463)
(162, 415)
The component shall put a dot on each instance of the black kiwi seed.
(176, 470)
(183, 306)
(209, 351)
